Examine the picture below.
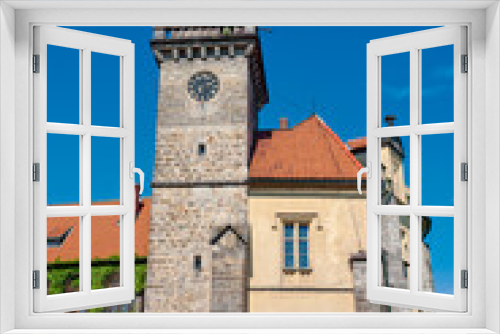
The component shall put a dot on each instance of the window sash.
(296, 256)
(86, 297)
(412, 43)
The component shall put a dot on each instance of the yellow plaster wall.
(337, 232)
(297, 301)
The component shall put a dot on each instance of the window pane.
(288, 230)
(437, 85)
(437, 169)
(63, 85)
(63, 169)
(303, 261)
(395, 91)
(288, 247)
(105, 250)
(303, 247)
(289, 261)
(303, 231)
(395, 251)
(105, 171)
(105, 90)
(63, 255)
(395, 170)
(437, 254)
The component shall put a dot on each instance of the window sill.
(300, 270)
(256, 331)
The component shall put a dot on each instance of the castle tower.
(211, 88)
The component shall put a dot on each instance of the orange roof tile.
(310, 150)
(105, 242)
(358, 143)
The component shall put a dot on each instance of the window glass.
(395, 170)
(395, 251)
(106, 154)
(437, 152)
(63, 85)
(437, 255)
(63, 169)
(63, 255)
(105, 90)
(105, 250)
(437, 85)
(395, 92)
(303, 246)
(289, 245)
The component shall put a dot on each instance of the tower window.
(196, 52)
(182, 53)
(239, 50)
(168, 54)
(224, 51)
(202, 149)
(197, 263)
(210, 52)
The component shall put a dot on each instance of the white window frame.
(413, 43)
(85, 43)
(296, 222)
(16, 21)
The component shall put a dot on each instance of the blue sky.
(309, 70)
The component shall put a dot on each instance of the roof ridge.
(311, 117)
(339, 141)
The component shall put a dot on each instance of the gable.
(310, 150)
(225, 235)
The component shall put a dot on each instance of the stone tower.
(211, 88)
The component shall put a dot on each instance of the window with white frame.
(398, 214)
(67, 170)
(426, 132)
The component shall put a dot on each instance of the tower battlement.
(174, 33)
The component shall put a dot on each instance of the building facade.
(308, 222)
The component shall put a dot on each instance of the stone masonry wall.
(229, 275)
(181, 228)
(196, 196)
(359, 286)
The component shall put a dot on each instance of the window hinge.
(465, 64)
(36, 63)
(464, 172)
(465, 279)
(36, 279)
(36, 172)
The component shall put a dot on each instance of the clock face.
(203, 86)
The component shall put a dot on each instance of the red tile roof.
(309, 150)
(356, 144)
(105, 242)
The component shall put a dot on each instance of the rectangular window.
(296, 245)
